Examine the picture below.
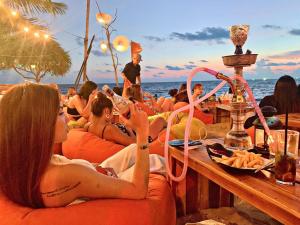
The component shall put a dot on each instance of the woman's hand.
(138, 120)
(93, 95)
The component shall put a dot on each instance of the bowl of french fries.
(236, 159)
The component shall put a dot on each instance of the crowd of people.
(31, 175)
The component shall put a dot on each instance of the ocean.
(260, 88)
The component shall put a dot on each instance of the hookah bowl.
(238, 35)
(237, 138)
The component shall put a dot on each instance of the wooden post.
(86, 38)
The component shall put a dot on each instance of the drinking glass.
(285, 168)
(292, 142)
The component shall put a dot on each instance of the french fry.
(253, 162)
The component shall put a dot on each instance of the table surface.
(279, 201)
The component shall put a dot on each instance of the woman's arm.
(84, 110)
(114, 134)
(74, 181)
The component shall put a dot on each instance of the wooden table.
(214, 186)
(294, 120)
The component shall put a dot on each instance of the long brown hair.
(28, 114)
(285, 94)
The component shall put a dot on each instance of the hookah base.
(238, 140)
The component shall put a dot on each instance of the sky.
(177, 36)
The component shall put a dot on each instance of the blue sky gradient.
(178, 36)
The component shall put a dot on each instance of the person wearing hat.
(132, 72)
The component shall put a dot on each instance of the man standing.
(131, 73)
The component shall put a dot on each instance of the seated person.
(80, 105)
(284, 97)
(134, 93)
(118, 90)
(71, 92)
(167, 104)
(102, 126)
(37, 178)
(197, 91)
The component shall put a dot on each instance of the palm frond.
(37, 6)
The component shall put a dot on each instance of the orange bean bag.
(157, 209)
(204, 117)
(84, 145)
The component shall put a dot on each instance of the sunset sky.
(178, 36)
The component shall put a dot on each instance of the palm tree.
(31, 57)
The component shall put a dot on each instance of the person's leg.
(156, 126)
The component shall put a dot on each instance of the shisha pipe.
(191, 112)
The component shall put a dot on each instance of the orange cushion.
(84, 145)
(146, 108)
(157, 209)
(204, 117)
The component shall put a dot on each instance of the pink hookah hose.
(255, 105)
(188, 124)
(190, 116)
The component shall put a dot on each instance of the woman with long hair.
(101, 124)
(31, 121)
(284, 96)
(80, 105)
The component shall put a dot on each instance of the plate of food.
(238, 160)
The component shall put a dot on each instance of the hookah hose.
(190, 116)
(255, 105)
(189, 120)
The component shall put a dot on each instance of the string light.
(26, 29)
(46, 36)
(36, 34)
(103, 46)
(14, 13)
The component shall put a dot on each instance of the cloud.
(156, 75)
(282, 64)
(217, 34)
(161, 73)
(106, 64)
(295, 32)
(287, 55)
(190, 62)
(203, 60)
(151, 67)
(79, 41)
(153, 38)
(97, 53)
(189, 67)
(269, 26)
(108, 71)
(177, 68)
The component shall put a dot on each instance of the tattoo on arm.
(61, 190)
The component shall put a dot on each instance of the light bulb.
(26, 29)
(14, 13)
(103, 46)
(46, 36)
(36, 34)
